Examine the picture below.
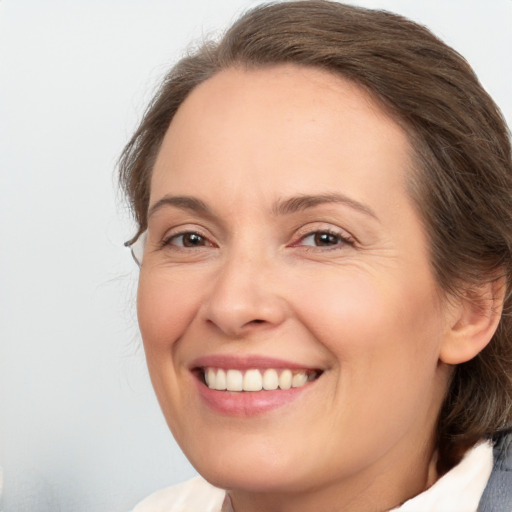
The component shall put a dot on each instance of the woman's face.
(282, 241)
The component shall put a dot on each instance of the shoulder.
(195, 495)
(503, 453)
(498, 493)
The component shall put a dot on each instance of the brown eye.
(323, 239)
(189, 239)
(193, 240)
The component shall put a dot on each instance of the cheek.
(385, 339)
(364, 320)
(164, 309)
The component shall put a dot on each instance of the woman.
(325, 240)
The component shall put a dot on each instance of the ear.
(473, 319)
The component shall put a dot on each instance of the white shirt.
(459, 490)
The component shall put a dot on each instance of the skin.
(366, 311)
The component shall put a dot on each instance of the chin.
(246, 478)
(256, 468)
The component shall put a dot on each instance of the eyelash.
(167, 240)
(341, 240)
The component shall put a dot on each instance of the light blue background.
(80, 429)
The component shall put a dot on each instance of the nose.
(244, 296)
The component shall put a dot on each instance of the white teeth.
(209, 377)
(234, 380)
(270, 380)
(285, 379)
(254, 380)
(299, 379)
(220, 380)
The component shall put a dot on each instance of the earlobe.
(473, 323)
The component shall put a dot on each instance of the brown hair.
(462, 184)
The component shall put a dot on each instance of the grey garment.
(497, 496)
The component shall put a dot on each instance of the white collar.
(460, 489)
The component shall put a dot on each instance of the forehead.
(285, 126)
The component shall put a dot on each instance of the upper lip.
(246, 362)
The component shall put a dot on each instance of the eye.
(324, 238)
(187, 239)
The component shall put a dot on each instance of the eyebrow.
(281, 207)
(303, 202)
(183, 202)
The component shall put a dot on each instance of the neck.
(375, 489)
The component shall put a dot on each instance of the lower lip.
(248, 403)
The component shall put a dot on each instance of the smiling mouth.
(253, 380)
